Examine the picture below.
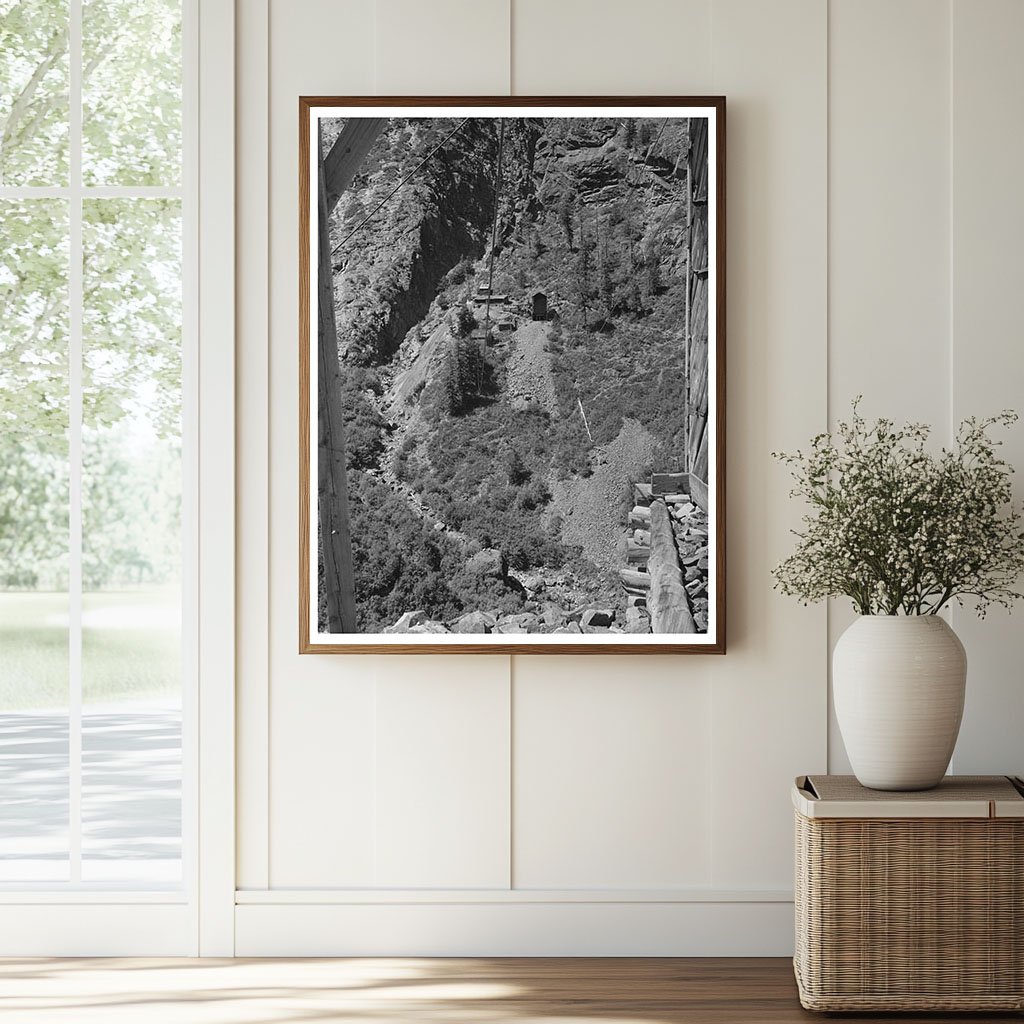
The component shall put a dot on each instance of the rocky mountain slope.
(491, 459)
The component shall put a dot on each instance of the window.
(95, 463)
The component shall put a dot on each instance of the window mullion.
(75, 340)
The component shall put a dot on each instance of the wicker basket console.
(910, 901)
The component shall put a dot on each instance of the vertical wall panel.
(988, 332)
(442, 774)
(321, 709)
(769, 692)
(889, 328)
(611, 755)
(612, 774)
(574, 47)
(442, 48)
(322, 759)
(889, 208)
(442, 763)
(329, 825)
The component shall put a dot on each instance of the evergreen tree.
(461, 321)
(467, 362)
(634, 298)
(583, 271)
(566, 212)
(652, 269)
(606, 273)
(632, 229)
(451, 385)
(515, 469)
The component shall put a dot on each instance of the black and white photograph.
(511, 390)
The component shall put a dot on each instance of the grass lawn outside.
(131, 647)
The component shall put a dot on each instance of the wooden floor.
(371, 991)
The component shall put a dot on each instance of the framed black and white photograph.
(512, 379)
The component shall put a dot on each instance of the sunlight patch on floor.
(130, 991)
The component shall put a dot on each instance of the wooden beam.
(335, 173)
(634, 580)
(347, 154)
(667, 483)
(332, 467)
(669, 604)
(699, 491)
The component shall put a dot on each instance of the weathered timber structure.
(665, 579)
(668, 603)
(696, 315)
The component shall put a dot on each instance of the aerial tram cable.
(433, 152)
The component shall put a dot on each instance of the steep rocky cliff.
(481, 430)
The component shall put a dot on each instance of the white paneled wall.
(987, 355)
(575, 47)
(612, 774)
(626, 805)
(889, 200)
(441, 48)
(768, 693)
(442, 801)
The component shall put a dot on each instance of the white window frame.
(76, 918)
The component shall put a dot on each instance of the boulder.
(569, 627)
(602, 617)
(534, 583)
(552, 615)
(430, 627)
(474, 622)
(521, 622)
(488, 563)
(640, 517)
(407, 621)
(637, 620)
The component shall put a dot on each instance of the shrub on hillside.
(364, 426)
(461, 321)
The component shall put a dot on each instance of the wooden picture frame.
(325, 174)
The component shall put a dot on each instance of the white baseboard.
(514, 928)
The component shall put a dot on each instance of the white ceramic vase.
(898, 684)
